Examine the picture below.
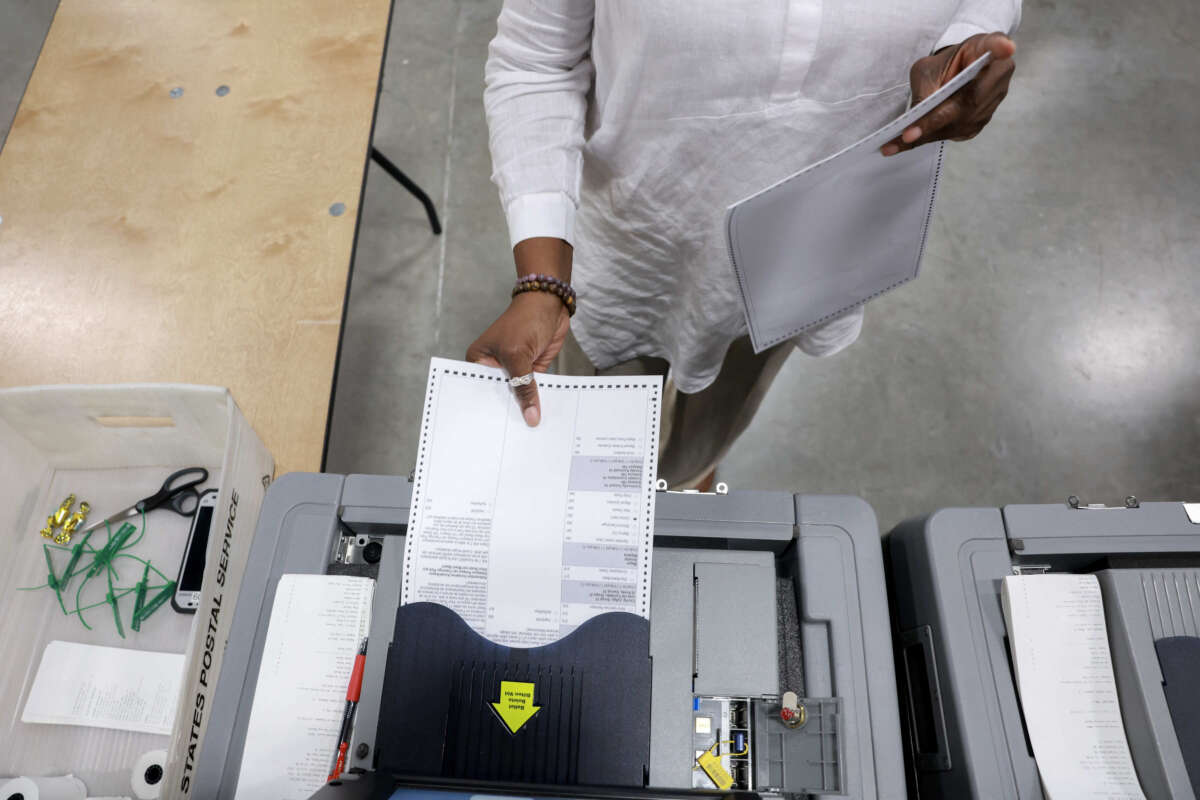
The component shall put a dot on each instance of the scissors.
(178, 493)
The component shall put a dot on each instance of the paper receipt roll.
(68, 787)
(148, 774)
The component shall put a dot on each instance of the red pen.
(352, 693)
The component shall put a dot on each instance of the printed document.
(317, 625)
(1065, 679)
(105, 687)
(526, 532)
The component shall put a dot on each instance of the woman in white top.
(621, 129)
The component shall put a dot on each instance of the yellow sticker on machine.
(515, 706)
(713, 769)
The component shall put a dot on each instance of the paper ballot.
(317, 625)
(1065, 679)
(526, 532)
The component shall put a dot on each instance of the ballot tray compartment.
(964, 734)
(831, 641)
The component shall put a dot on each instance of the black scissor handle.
(178, 490)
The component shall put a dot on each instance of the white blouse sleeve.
(981, 16)
(537, 77)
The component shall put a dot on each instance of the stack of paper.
(1064, 675)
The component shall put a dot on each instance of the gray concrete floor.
(1049, 348)
(23, 26)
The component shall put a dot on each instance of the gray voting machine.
(965, 735)
(754, 594)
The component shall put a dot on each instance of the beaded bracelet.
(547, 283)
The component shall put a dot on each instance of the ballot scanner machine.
(964, 732)
(754, 594)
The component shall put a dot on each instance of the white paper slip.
(838, 232)
(105, 687)
(526, 532)
(1060, 654)
(317, 625)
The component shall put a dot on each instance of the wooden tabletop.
(178, 201)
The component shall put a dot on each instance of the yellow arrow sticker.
(516, 704)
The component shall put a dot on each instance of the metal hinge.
(1074, 502)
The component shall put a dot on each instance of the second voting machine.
(971, 733)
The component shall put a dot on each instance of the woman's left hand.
(962, 115)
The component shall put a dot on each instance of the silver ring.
(521, 380)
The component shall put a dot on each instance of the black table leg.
(391, 169)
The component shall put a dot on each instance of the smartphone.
(191, 570)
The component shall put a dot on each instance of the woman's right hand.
(524, 339)
(531, 331)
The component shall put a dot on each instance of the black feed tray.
(451, 699)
